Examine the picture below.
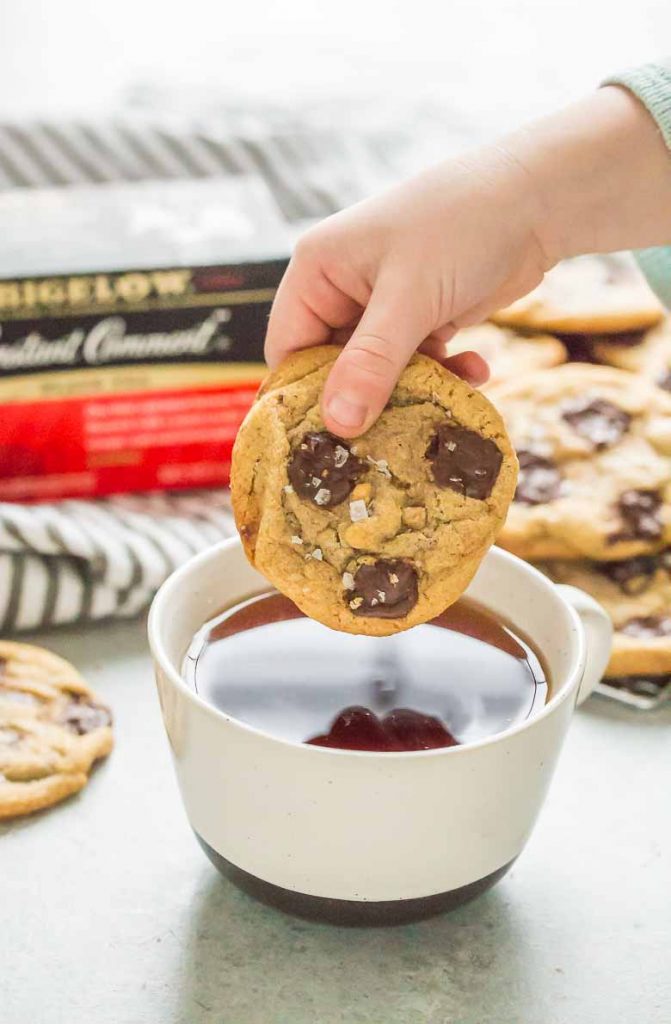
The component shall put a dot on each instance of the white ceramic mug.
(353, 835)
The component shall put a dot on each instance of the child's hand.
(407, 269)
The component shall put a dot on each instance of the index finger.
(306, 310)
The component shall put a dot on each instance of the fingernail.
(346, 412)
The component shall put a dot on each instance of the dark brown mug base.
(350, 912)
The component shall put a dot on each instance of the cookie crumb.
(358, 510)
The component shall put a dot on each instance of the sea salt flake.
(323, 496)
(393, 578)
(348, 581)
(355, 603)
(381, 596)
(451, 446)
(315, 481)
(358, 510)
(374, 601)
(316, 554)
(288, 489)
(296, 540)
(340, 457)
(381, 465)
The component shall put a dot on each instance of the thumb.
(366, 371)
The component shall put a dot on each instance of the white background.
(493, 63)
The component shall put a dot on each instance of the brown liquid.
(266, 664)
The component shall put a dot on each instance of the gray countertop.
(111, 914)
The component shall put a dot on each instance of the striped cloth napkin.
(80, 561)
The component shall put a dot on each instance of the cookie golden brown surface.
(507, 352)
(647, 353)
(636, 593)
(594, 446)
(376, 535)
(587, 294)
(52, 729)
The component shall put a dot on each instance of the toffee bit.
(323, 496)
(358, 510)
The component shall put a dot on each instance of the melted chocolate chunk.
(648, 626)
(598, 421)
(580, 347)
(387, 589)
(640, 514)
(632, 575)
(539, 480)
(82, 716)
(323, 469)
(664, 381)
(626, 339)
(464, 461)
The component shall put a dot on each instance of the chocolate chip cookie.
(646, 352)
(52, 729)
(376, 535)
(636, 593)
(507, 352)
(587, 294)
(594, 447)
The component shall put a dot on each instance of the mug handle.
(598, 632)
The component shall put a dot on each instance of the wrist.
(601, 175)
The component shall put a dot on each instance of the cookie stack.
(593, 437)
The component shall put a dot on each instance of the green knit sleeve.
(651, 83)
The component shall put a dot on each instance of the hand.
(404, 271)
